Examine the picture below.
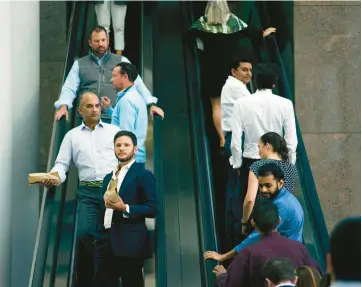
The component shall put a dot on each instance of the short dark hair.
(278, 270)
(271, 169)
(266, 216)
(346, 249)
(128, 134)
(235, 62)
(129, 69)
(267, 75)
(97, 29)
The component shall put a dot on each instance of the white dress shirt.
(121, 175)
(92, 152)
(230, 93)
(285, 284)
(256, 115)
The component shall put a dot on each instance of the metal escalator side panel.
(174, 163)
(201, 152)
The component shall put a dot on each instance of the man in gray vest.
(93, 73)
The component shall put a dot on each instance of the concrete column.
(19, 81)
(327, 54)
(53, 38)
(5, 147)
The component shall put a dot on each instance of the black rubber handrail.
(201, 152)
(306, 177)
(58, 132)
(160, 227)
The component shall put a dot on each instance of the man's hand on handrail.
(156, 110)
(269, 31)
(63, 111)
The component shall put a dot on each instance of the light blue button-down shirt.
(291, 219)
(71, 85)
(130, 114)
(92, 152)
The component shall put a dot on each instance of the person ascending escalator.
(220, 34)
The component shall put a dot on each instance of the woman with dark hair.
(307, 277)
(272, 148)
(220, 35)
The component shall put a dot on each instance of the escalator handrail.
(160, 227)
(58, 133)
(207, 225)
(307, 177)
(206, 151)
(308, 180)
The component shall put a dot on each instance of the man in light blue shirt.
(271, 185)
(130, 113)
(92, 73)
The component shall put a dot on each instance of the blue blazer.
(129, 237)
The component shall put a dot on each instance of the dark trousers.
(236, 192)
(88, 204)
(108, 268)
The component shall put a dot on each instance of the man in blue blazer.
(122, 241)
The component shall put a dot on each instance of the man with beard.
(246, 269)
(92, 73)
(90, 147)
(271, 185)
(123, 241)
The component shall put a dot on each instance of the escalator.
(185, 224)
(55, 201)
(315, 234)
(259, 14)
(55, 253)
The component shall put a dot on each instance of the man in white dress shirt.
(256, 115)
(234, 89)
(90, 147)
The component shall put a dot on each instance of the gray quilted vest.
(97, 78)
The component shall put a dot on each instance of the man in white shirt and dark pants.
(234, 89)
(90, 147)
(254, 116)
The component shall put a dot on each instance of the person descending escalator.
(92, 73)
(90, 147)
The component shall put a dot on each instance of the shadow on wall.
(53, 37)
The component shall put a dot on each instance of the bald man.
(90, 147)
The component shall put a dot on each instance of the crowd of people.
(257, 131)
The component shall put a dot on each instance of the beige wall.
(328, 100)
